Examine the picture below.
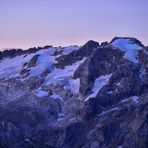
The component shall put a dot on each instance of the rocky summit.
(92, 96)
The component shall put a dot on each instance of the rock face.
(84, 51)
(93, 96)
(102, 61)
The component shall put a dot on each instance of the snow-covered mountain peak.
(129, 46)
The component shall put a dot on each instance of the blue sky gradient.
(27, 23)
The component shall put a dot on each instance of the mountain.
(92, 96)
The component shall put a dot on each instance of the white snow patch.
(44, 62)
(74, 85)
(135, 99)
(41, 93)
(60, 117)
(110, 92)
(98, 84)
(118, 84)
(142, 73)
(69, 49)
(49, 51)
(128, 47)
(55, 96)
(64, 77)
(125, 100)
(12, 66)
(108, 111)
(27, 140)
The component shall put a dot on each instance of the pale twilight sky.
(27, 23)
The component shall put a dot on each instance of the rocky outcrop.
(102, 61)
(17, 52)
(124, 126)
(124, 82)
(84, 51)
(104, 44)
(27, 66)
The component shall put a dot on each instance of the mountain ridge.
(15, 51)
(92, 96)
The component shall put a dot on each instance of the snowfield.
(98, 84)
(64, 77)
(13, 66)
(128, 47)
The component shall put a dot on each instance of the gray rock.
(84, 51)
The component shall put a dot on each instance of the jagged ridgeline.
(92, 96)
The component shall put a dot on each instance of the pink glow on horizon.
(29, 23)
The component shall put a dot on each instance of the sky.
(29, 23)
